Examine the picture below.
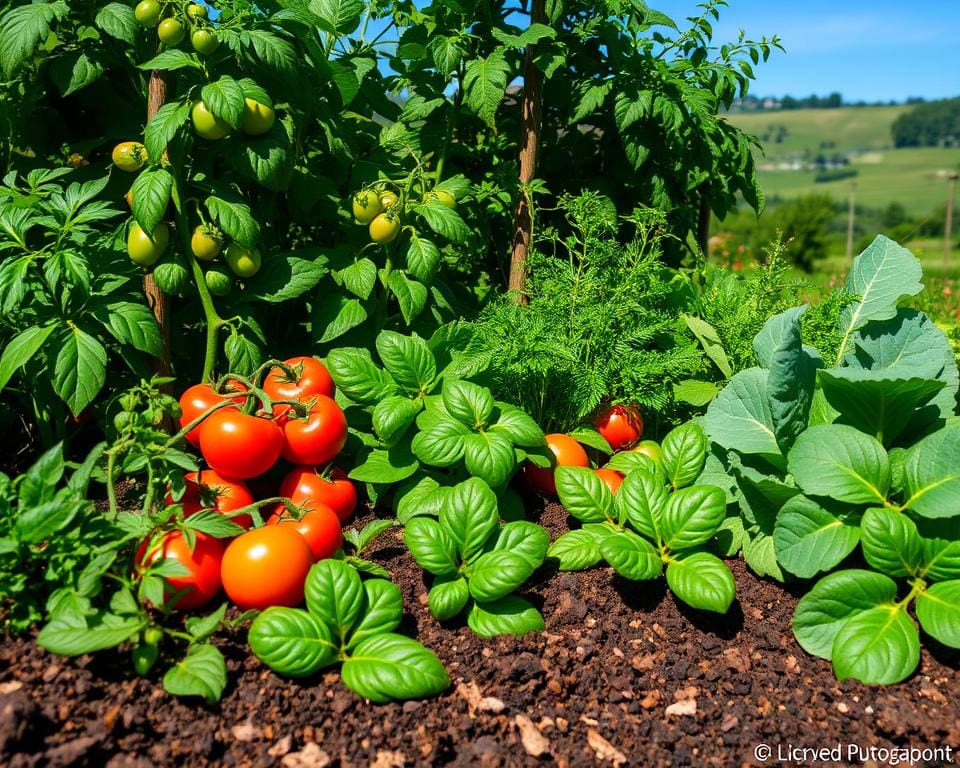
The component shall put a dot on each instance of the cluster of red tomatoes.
(266, 565)
(620, 425)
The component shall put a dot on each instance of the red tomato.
(567, 452)
(197, 400)
(319, 437)
(239, 446)
(266, 566)
(621, 426)
(320, 526)
(314, 379)
(611, 477)
(206, 489)
(203, 581)
(307, 488)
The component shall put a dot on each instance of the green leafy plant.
(661, 519)
(422, 425)
(825, 454)
(477, 562)
(53, 546)
(348, 621)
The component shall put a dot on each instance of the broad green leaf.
(393, 415)
(631, 556)
(71, 635)
(382, 611)
(333, 318)
(390, 466)
(511, 615)
(938, 609)
(496, 574)
(432, 546)
(151, 196)
(118, 20)
(833, 600)
(171, 60)
(470, 515)
(708, 337)
(684, 451)
(408, 360)
(879, 646)
(291, 641)
(524, 538)
(335, 595)
(342, 16)
(443, 445)
(203, 627)
(484, 83)
(132, 323)
(163, 127)
(842, 463)
(469, 403)
(490, 456)
(235, 219)
(584, 494)
(202, 672)
(80, 368)
(641, 499)
(517, 425)
(879, 403)
(423, 259)
(21, 349)
(691, 516)
(694, 392)
(760, 554)
(941, 559)
(358, 377)
(444, 221)
(75, 70)
(932, 474)
(283, 277)
(890, 542)
(739, 417)
(388, 666)
(702, 581)
(448, 597)
(809, 538)
(576, 550)
(422, 498)
(24, 28)
(410, 295)
(883, 274)
(225, 99)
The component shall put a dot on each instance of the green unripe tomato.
(148, 13)
(144, 657)
(218, 281)
(171, 32)
(257, 118)
(129, 156)
(443, 197)
(144, 250)
(384, 228)
(388, 199)
(204, 41)
(205, 243)
(366, 205)
(153, 636)
(206, 124)
(196, 11)
(171, 277)
(651, 449)
(242, 261)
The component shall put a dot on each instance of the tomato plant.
(307, 487)
(205, 489)
(266, 567)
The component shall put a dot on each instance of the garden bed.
(623, 674)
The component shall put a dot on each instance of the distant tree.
(894, 215)
(803, 222)
(928, 124)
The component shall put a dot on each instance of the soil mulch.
(623, 675)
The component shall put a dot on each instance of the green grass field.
(911, 177)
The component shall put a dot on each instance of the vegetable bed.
(623, 675)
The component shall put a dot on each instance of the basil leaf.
(470, 515)
(576, 550)
(335, 595)
(583, 494)
(468, 403)
(510, 615)
(490, 456)
(291, 641)
(202, 672)
(432, 546)
(631, 556)
(938, 609)
(702, 581)
(388, 666)
(497, 574)
(383, 610)
(879, 646)
(448, 597)
(692, 516)
(684, 451)
(641, 499)
(809, 538)
(524, 538)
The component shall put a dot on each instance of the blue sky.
(874, 51)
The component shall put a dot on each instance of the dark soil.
(622, 676)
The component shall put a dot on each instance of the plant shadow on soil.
(646, 597)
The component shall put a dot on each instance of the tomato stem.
(197, 422)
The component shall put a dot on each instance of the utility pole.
(948, 224)
(851, 212)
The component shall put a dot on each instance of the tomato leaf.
(225, 99)
(423, 258)
(80, 369)
(21, 349)
(410, 295)
(163, 127)
(389, 666)
(202, 672)
(133, 324)
(234, 218)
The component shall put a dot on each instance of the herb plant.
(660, 518)
(350, 621)
(477, 562)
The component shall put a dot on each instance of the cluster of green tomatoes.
(172, 22)
(207, 242)
(379, 208)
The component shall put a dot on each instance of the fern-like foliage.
(602, 323)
